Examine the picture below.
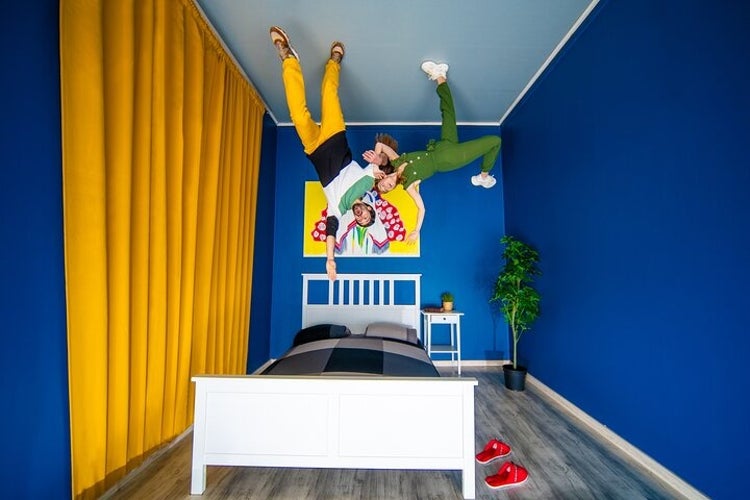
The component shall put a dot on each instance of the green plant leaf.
(518, 300)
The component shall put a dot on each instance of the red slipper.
(493, 450)
(509, 474)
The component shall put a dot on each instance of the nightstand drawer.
(443, 318)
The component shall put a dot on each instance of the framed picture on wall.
(396, 217)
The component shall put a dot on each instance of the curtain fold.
(161, 147)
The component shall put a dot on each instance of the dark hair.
(372, 215)
(388, 168)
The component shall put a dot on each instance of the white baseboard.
(597, 429)
(615, 442)
(473, 363)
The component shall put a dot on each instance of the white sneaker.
(485, 182)
(435, 70)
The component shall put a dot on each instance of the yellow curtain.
(161, 146)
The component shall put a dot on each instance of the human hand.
(379, 174)
(412, 238)
(370, 156)
(331, 269)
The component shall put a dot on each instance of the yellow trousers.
(310, 133)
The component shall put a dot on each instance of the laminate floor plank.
(564, 462)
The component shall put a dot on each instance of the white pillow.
(392, 331)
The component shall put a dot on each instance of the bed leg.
(468, 474)
(198, 480)
(468, 478)
(198, 470)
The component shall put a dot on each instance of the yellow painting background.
(315, 202)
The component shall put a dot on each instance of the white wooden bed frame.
(338, 421)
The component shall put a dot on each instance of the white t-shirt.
(351, 184)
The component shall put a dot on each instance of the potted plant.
(519, 301)
(447, 299)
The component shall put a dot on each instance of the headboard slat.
(374, 300)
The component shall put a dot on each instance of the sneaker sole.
(343, 50)
(275, 30)
(508, 485)
(431, 74)
(479, 183)
(492, 459)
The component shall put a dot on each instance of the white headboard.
(356, 300)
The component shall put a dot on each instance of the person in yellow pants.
(344, 181)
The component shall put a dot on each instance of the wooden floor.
(563, 461)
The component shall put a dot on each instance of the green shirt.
(420, 165)
(355, 192)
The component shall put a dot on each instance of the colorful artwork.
(396, 217)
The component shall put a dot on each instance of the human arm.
(383, 148)
(332, 226)
(376, 159)
(413, 236)
(381, 155)
(330, 262)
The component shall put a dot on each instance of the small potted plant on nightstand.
(519, 301)
(447, 299)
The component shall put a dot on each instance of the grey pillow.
(396, 331)
(320, 332)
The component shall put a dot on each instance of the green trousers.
(450, 154)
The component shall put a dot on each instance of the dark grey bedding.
(355, 355)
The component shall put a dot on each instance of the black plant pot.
(515, 378)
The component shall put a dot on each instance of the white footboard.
(341, 422)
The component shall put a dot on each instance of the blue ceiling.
(495, 48)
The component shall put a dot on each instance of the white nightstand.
(451, 318)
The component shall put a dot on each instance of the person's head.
(387, 140)
(364, 214)
(388, 183)
(392, 143)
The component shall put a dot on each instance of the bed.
(335, 417)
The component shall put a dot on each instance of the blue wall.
(260, 306)
(460, 247)
(627, 167)
(460, 239)
(34, 353)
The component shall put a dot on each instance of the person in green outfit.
(444, 155)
